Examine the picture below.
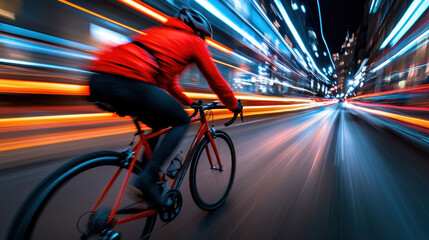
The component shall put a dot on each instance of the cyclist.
(132, 78)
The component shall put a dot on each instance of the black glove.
(239, 108)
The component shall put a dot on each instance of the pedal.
(172, 204)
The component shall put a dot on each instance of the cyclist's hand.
(196, 104)
(239, 108)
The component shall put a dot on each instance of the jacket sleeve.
(213, 77)
(177, 92)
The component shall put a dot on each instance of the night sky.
(337, 16)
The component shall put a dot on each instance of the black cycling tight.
(152, 105)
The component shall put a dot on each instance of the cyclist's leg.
(104, 88)
(164, 111)
(155, 108)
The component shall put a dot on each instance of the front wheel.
(60, 206)
(210, 183)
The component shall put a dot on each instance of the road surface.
(324, 173)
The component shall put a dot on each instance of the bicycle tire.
(24, 221)
(230, 163)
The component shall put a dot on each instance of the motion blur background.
(358, 114)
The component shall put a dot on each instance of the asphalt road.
(318, 174)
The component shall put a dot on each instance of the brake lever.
(196, 106)
(195, 113)
(232, 120)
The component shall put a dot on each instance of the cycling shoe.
(150, 187)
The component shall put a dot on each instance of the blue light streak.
(296, 36)
(291, 26)
(323, 37)
(242, 57)
(404, 50)
(405, 18)
(297, 55)
(37, 47)
(44, 37)
(213, 10)
(42, 65)
(303, 8)
(374, 6)
(416, 15)
(381, 65)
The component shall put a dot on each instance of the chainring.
(172, 204)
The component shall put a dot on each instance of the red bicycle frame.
(202, 132)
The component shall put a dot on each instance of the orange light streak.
(278, 106)
(22, 121)
(34, 87)
(247, 97)
(146, 10)
(219, 46)
(273, 99)
(64, 124)
(412, 108)
(421, 87)
(415, 121)
(52, 138)
(100, 16)
(85, 118)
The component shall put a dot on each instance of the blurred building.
(394, 38)
(256, 49)
(345, 63)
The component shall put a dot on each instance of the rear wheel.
(210, 185)
(59, 207)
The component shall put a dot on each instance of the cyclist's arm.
(213, 77)
(177, 92)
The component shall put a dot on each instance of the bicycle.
(100, 222)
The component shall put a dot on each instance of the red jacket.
(174, 46)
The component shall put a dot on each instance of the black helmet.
(196, 21)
